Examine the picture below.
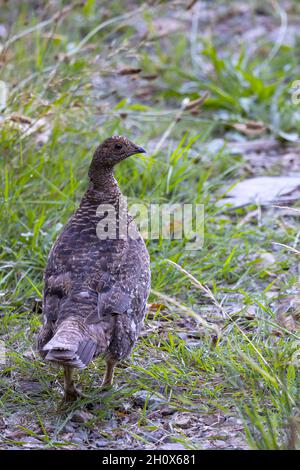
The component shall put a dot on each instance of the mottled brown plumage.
(95, 289)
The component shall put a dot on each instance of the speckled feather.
(95, 290)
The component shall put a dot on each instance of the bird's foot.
(107, 382)
(106, 385)
(72, 394)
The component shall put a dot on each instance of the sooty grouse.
(97, 280)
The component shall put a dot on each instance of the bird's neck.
(103, 187)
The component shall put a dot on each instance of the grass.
(66, 92)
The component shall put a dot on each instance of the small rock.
(82, 434)
(31, 387)
(32, 441)
(221, 444)
(143, 396)
(81, 416)
(173, 446)
(232, 420)
(167, 410)
(183, 421)
(77, 440)
(69, 428)
(15, 419)
(101, 443)
(266, 259)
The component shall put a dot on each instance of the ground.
(216, 366)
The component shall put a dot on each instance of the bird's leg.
(71, 393)
(109, 373)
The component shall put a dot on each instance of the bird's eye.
(118, 146)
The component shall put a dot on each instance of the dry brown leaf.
(20, 118)
(251, 128)
(262, 190)
(130, 71)
(150, 77)
(287, 321)
(156, 306)
(191, 105)
(257, 145)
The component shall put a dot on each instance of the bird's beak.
(140, 150)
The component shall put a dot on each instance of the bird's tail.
(70, 346)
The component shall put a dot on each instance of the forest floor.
(216, 365)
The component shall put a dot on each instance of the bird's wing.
(122, 302)
(103, 288)
(57, 288)
(111, 302)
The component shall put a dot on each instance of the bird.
(97, 278)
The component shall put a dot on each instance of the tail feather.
(80, 358)
(69, 347)
(86, 351)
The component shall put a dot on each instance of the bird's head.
(112, 151)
